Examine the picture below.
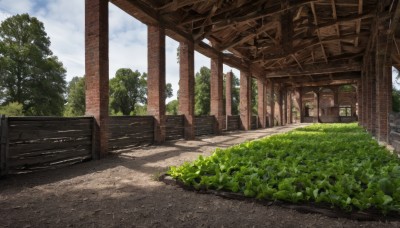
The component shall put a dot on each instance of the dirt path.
(121, 191)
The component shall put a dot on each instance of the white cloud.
(64, 23)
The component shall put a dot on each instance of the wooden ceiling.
(279, 40)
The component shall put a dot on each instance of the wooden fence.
(233, 123)
(174, 127)
(204, 125)
(130, 131)
(36, 143)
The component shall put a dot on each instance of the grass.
(338, 164)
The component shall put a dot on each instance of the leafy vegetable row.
(339, 164)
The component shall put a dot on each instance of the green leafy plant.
(336, 164)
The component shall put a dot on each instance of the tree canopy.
(202, 91)
(127, 89)
(29, 72)
(76, 97)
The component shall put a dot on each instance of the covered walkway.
(122, 191)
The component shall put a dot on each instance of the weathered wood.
(45, 142)
(174, 127)
(4, 149)
(233, 123)
(314, 69)
(204, 125)
(130, 131)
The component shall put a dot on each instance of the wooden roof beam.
(226, 19)
(358, 22)
(147, 15)
(318, 33)
(306, 46)
(241, 40)
(177, 4)
(334, 15)
(340, 76)
(326, 83)
(314, 69)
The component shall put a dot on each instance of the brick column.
(228, 93)
(316, 97)
(383, 85)
(362, 99)
(156, 79)
(365, 102)
(359, 101)
(216, 93)
(371, 112)
(261, 106)
(279, 103)
(96, 69)
(270, 103)
(297, 104)
(245, 99)
(186, 87)
(289, 107)
(284, 106)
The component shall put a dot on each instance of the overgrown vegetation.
(338, 164)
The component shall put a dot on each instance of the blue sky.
(64, 24)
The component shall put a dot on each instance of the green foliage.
(235, 94)
(395, 99)
(254, 93)
(338, 164)
(172, 107)
(202, 92)
(12, 109)
(75, 97)
(29, 72)
(127, 89)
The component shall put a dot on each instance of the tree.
(75, 97)
(127, 89)
(235, 94)
(172, 107)
(169, 92)
(202, 91)
(12, 109)
(29, 72)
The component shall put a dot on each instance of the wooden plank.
(49, 157)
(4, 153)
(50, 165)
(95, 155)
(46, 145)
(15, 136)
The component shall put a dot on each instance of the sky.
(64, 22)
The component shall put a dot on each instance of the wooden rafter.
(334, 15)
(358, 22)
(318, 32)
(314, 69)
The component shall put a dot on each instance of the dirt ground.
(122, 191)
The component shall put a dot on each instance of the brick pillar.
(361, 100)
(297, 104)
(228, 93)
(270, 103)
(96, 69)
(289, 107)
(261, 106)
(280, 104)
(284, 106)
(316, 102)
(156, 80)
(245, 99)
(216, 93)
(186, 87)
(371, 96)
(383, 85)
(366, 110)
